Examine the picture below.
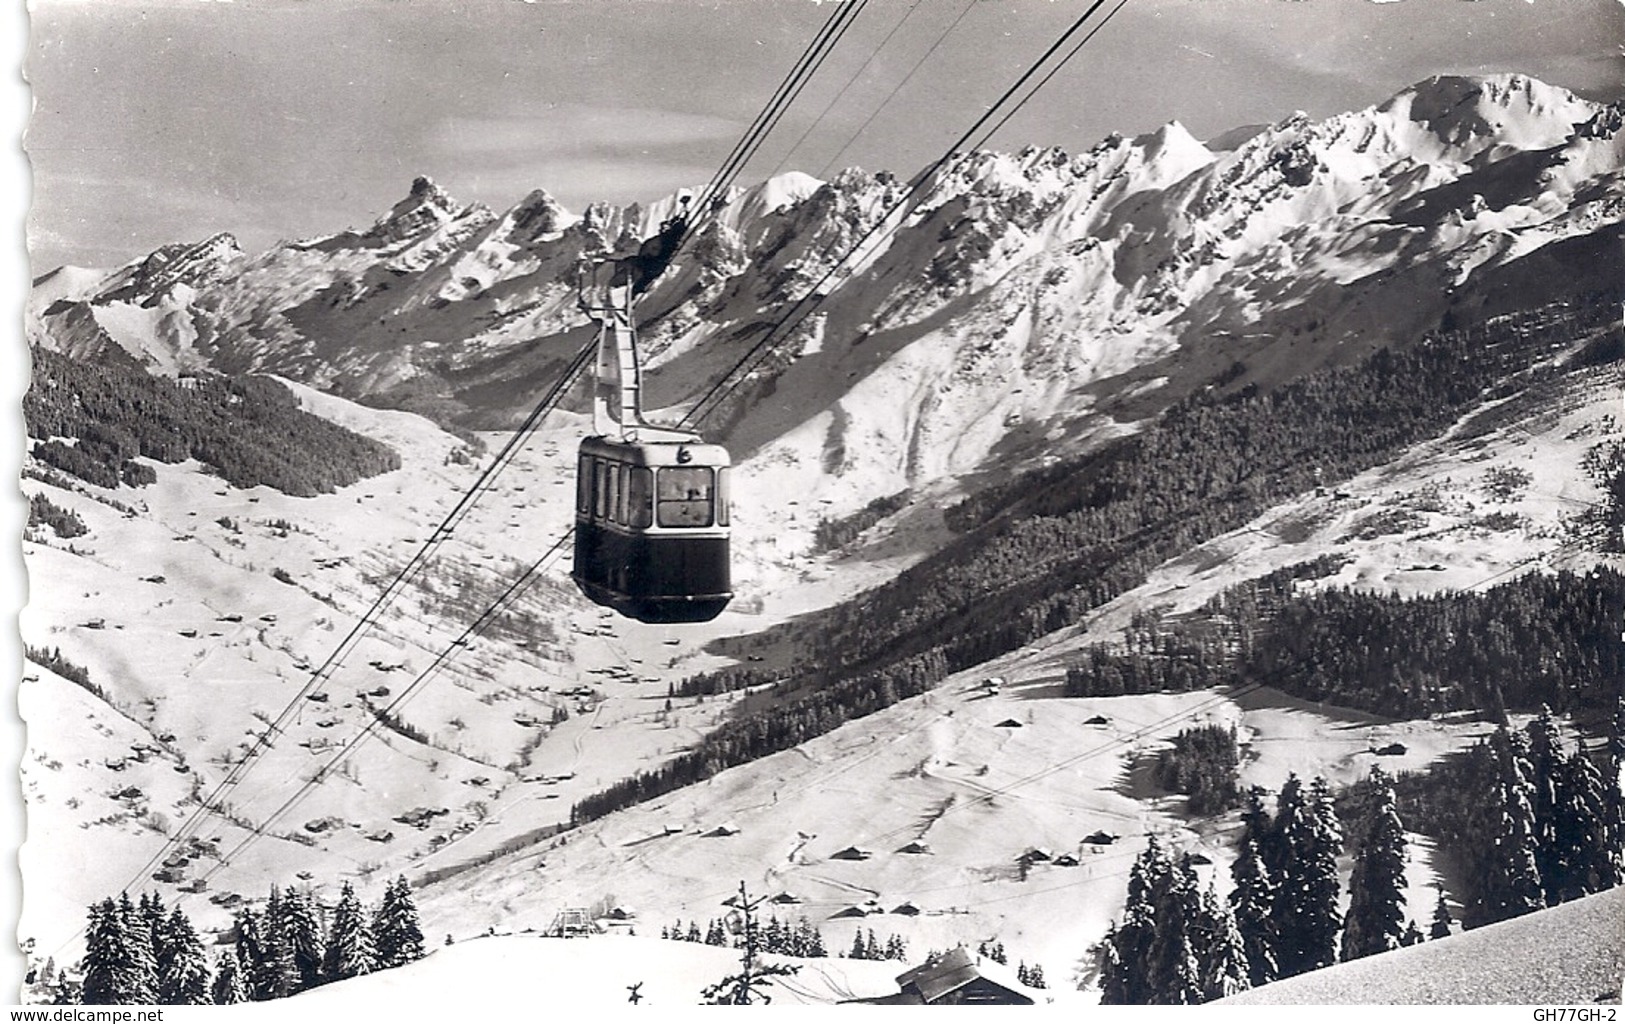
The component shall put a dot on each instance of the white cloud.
(579, 128)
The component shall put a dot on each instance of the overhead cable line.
(808, 65)
(474, 629)
(335, 659)
(908, 12)
(828, 166)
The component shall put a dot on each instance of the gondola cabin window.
(684, 496)
(640, 498)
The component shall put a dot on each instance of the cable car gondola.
(651, 514)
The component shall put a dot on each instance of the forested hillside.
(248, 430)
(1039, 552)
(1536, 640)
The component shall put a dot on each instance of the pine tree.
(1174, 975)
(1251, 901)
(1115, 983)
(1613, 791)
(1578, 831)
(1512, 885)
(273, 974)
(1376, 915)
(1221, 952)
(1545, 753)
(302, 937)
(750, 984)
(250, 949)
(1035, 977)
(106, 957)
(859, 951)
(183, 978)
(694, 931)
(1128, 975)
(1440, 928)
(871, 948)
(138, 938)
(228, 980)
(815, 941)
(996, 954)
(349, 945)
(1305, 911)
(1275, 847)
(398, 933)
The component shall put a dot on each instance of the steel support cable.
(929, 53)
(762, 114)
(923, 184)
(811, 60)
(908, 12)
(1053, 71)
(474, 629)
(335, 659)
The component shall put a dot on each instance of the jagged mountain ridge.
(1023, 296)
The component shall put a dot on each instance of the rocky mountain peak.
(426, 207)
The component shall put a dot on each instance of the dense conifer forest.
(248, 430)
(1532, 641)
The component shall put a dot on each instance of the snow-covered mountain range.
(1029, 289)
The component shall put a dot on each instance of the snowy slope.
(1570, 954)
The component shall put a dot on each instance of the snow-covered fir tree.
(301, 933)
(350, 950)
(1511, 885)
(1376, 914)
(1221, 953)
(228, 984)
(183, 972)
(138, 930)
(1581, 847)
(111, 974)
(1251, 901)
(1304, 914)
(396, 930)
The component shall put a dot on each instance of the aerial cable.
(474, 629)
(1053, 72)
(908, 12)
(923, 184)
(931, 51)
(761, 115)
(811, 62)
(212, 803)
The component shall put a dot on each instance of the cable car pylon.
(651, 515)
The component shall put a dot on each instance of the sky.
(169, 120)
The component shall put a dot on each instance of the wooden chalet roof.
(953, 971)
